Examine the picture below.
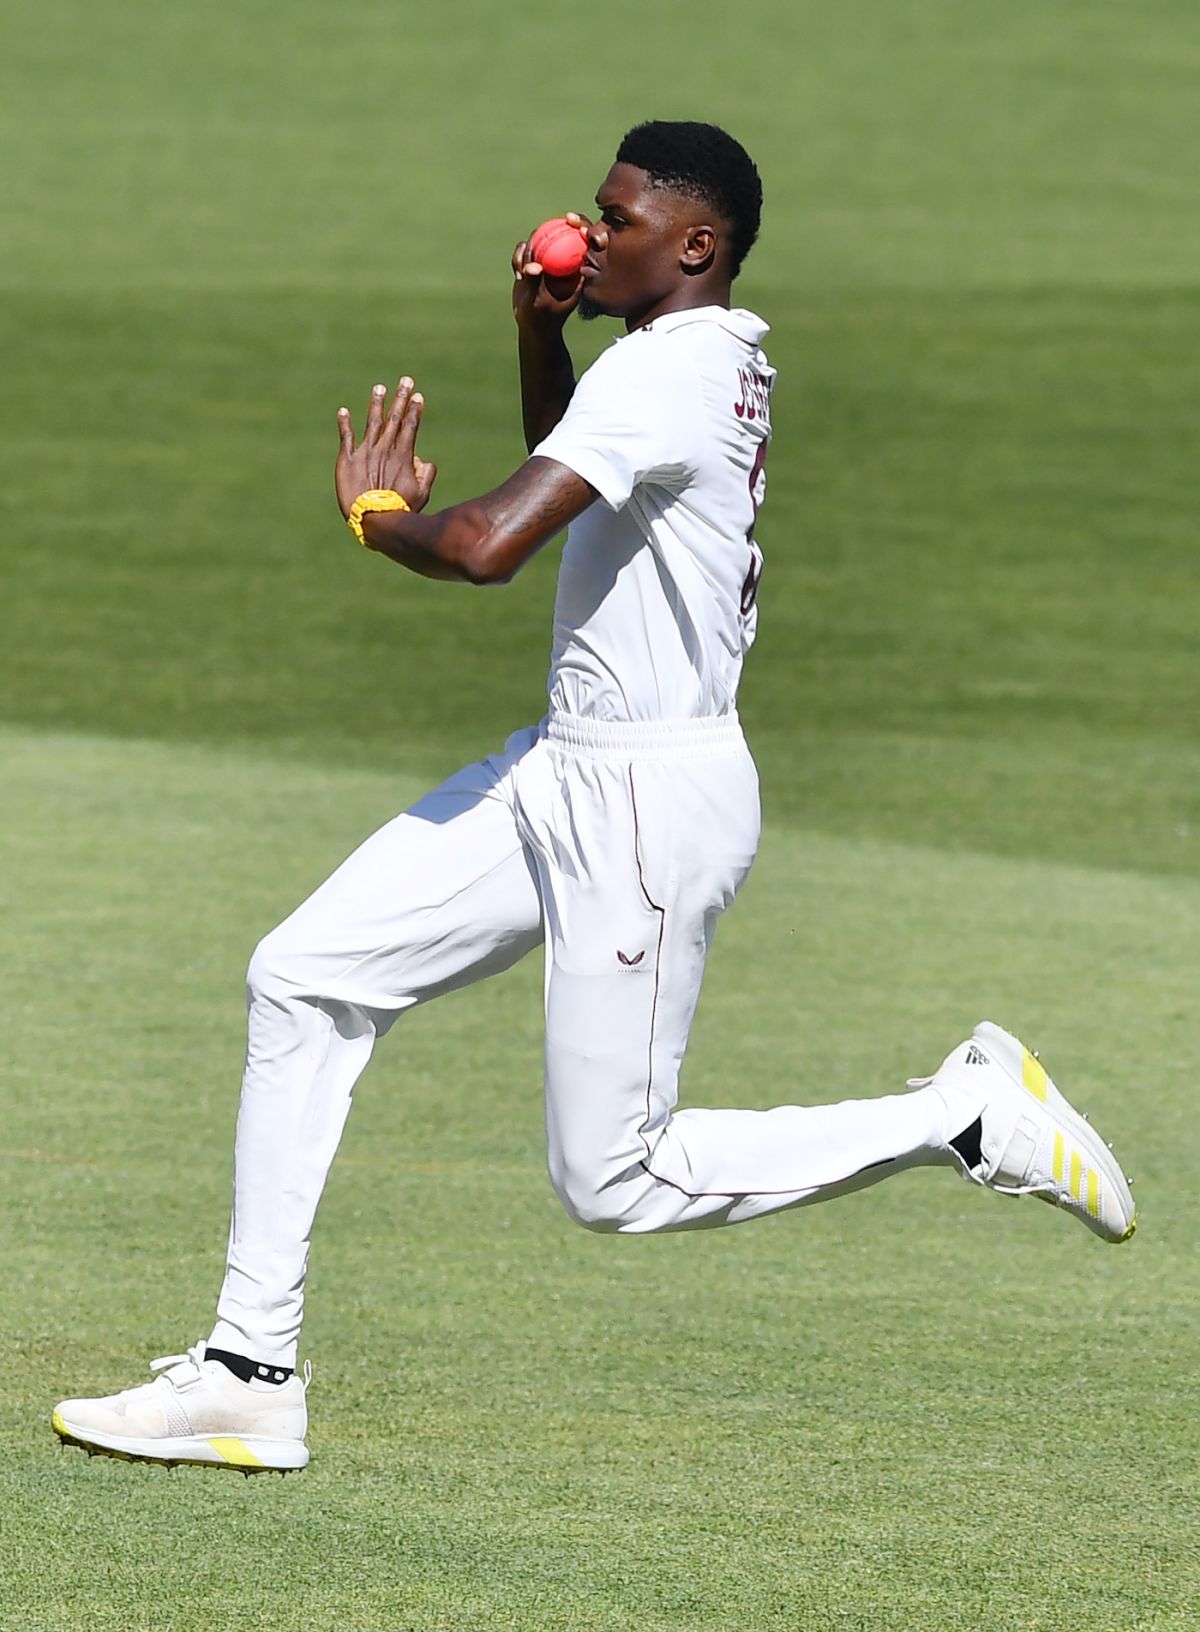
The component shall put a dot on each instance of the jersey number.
(758, 492)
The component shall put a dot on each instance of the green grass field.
(973, 702)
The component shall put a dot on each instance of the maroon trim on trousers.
(692, 1195)
(662, 921)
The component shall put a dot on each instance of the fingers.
(574, 219)
(526, 271)
(408, 422)
(426, 474)
(374, 416)
(395, 416)
(384, 458)
(528, 285)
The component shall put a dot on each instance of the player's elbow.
(485, 561)
(485, 572)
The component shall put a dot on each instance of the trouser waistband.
(646, 739)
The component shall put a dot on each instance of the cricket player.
(613, 833)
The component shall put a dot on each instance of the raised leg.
(633, 887)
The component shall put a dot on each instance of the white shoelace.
(1043, 1187)
(1040, 1187)
(195, 1354)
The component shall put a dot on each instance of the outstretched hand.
(386, 456)
(538, 299)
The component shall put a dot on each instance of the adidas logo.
(976, 1056)
(630, 963)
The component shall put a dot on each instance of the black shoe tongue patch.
(968, 1144)
(250, 1371)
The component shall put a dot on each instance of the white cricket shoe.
(197, 1411)
(1033, 1142)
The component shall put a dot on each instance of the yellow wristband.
(376, 498)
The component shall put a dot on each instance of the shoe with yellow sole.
(195, 1411)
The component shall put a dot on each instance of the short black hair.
(702, 162)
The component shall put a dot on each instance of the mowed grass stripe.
(906, 145)
(515, 1423)
(116, 851)
(977, 534)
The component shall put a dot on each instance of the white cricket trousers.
(618, 846)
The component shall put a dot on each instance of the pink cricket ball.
(558, 248)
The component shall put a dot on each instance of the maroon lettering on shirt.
(755, 402)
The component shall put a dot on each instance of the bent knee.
(585, 1201)
(270, 971)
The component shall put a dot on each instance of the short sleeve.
(631, 421)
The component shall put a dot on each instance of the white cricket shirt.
(655, 607)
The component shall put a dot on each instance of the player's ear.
(699, 249)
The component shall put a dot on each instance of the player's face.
(643, 250)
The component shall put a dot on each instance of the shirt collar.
(744, 325)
